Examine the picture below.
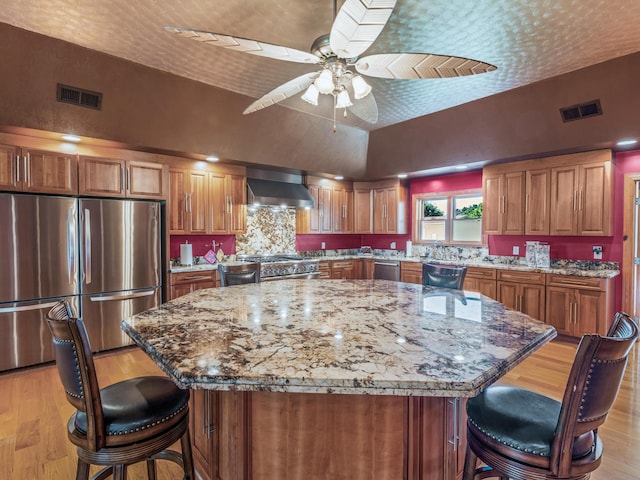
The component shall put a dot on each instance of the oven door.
(307, 275)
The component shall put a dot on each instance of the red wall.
(202, 244)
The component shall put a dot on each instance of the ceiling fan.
(356, 26)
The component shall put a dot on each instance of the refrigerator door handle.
(39, 306)
(87, 246)
(110, 298)
(71, 246)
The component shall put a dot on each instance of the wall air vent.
(79, 96)
(584, 110)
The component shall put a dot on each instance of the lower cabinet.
(411, 272)
(522, 291)
(579, 305)
(259, 435)
(481, 280)
(324, 267)
(186, 282)
(342, 269)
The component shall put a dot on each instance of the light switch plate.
(393, 245)
(322, 246)
(516, 250)
(597, 252)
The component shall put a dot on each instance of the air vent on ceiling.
(79, 96)
(584, 110)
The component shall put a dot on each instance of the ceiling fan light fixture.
(360, 87)
(343, 100)
(324, 83)
(311, 95)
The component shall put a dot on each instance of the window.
(449, 217)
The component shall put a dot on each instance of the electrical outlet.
(322, 246)
(393, 245)
(597, 252)
(516, 250)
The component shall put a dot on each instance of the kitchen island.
(333, 379)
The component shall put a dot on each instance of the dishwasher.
(386, 270)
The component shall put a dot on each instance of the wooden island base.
(265, 435)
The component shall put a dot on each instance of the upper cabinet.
(202, 201)
(334, 207)
(562, 195)
(38, 171)
(363, 211)
(108, 177)
(390, 208)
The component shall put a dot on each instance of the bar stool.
(522, 435)
(443, 276)
(239, 274)
(128, 422)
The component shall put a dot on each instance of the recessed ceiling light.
(212, 158)
(627, 142)
(339, 177)
(461, 167)
(71, 138)
(402, 175)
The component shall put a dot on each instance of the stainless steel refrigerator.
(102, 255)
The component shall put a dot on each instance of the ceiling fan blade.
(358, 24)
(366, 108)
(245, 45)
(419, 65)
(283, 92)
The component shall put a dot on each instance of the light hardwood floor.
(34, 412)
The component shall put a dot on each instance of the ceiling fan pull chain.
(334, 114)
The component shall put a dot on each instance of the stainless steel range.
(278, 267)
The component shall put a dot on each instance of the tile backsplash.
(268, 231)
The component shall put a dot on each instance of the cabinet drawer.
(480, 272)
(576, 281)
(341, 264)
(413, 267)
(521, 277)
(192, 277)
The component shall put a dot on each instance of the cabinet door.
(481, 285)
(178, 201)
(203, 410)
(338, 213)
(197, 209)
(379, 211)
(594, 200)
(508, 294)
(589, 313)
(218, 218)
(325, 209)
(180, 290)
(538, 187)
(564, 201)
(532, 301)
(9, 167)
(104, 177)
(145, 180)
(513, 204)
(392, 210)
(491, 203)
(236, 190)
(559, 309)
(50, 172)
(363, 211)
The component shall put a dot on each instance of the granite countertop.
(337, 336)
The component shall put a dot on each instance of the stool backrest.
(592, 387)
(76, 369)
(239, 274)
(443, 276)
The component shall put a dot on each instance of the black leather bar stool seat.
(443, 276)
(128, 422)
(522, 435)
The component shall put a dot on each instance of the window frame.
(417, 201)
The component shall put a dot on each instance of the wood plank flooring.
(34, 412)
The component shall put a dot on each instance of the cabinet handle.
(121, 178)
(17, 176)
(575, 199)
(526, 203)
(128, 175)
(580, 202)
(24, 171)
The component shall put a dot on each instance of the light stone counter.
(337, 336)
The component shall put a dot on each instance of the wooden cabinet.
(503, 197)
(342, 210)
(109, 177)
(205, 434)
(318, 218)
(188, 201)
(536, 210)
(227, 203)
(522, 291)
(37, 171)
(390, 210)
(367, 268)
(581, 199)
(481, 280)
(324, 267)
(358, 268)
(411, 272)
(182, 283)
(363, 211)
(579, 305)
(561, 195)
(342, 269)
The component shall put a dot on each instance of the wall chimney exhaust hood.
(271, 188)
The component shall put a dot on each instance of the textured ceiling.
(528, 40)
